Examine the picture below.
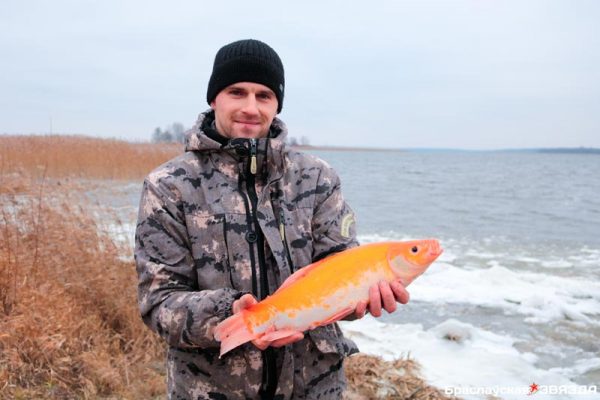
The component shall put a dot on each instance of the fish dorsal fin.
(301, 273)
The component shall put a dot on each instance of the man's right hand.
(248, 300)
(382, 296)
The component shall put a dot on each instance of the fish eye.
(414, 249)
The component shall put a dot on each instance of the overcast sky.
(478, 74)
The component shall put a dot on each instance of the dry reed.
(370, 377)
(81, 156)
(69, 322)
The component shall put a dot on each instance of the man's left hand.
(248, 300)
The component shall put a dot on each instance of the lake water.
(519, 282)
(518, 286)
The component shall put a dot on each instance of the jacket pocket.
(209, 250)
(238, 248)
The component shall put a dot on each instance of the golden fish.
(327, 291)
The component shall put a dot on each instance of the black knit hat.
(247, 61)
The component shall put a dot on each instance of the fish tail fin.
(233, 332)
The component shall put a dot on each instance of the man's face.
(244, 110)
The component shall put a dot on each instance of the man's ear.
(212, 104)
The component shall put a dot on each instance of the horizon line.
(580, 148)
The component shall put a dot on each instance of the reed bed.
(69, 322)
(370, 377)
(80, 156)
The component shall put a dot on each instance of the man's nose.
(250, 105)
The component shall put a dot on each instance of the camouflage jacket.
(222, 220)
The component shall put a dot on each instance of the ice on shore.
(456, 354)
(538, 296)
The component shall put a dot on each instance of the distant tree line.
(175, 133)
(303, 141)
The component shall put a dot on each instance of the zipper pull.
(282, 226)
(253, 156)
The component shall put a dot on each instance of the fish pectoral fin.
(337, 316)
(279, 334)
(301, 273)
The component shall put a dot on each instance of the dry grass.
(370, 378)
(80, 156)
(69, 322)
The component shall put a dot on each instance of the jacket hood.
(197, 139)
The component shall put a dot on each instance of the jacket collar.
(269, 151)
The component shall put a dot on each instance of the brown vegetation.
(81, 156)
(370, 377)
(69, 322)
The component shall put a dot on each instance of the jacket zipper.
(249, 223)
(269, 383)
(284, 239)
(260, 239)
(280, 217)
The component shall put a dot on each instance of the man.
(225, 223)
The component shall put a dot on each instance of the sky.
(471, 74)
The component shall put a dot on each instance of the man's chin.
(248, 134)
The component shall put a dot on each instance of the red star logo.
(533, 388)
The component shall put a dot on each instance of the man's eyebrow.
(268, 91)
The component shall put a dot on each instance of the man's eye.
(264, 96)
(235, 92)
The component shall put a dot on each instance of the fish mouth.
(435, 250)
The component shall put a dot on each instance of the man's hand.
(243, 302)
(248, 300)
(382, 295)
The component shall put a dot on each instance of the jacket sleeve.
(170, 301)
(334, 222)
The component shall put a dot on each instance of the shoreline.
(542, 150)
(90, 139)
